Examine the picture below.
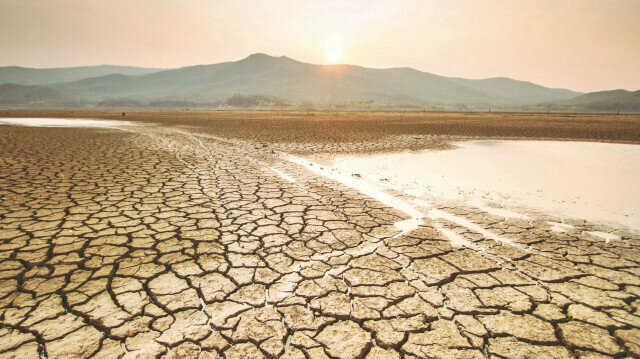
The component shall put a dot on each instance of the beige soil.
(170, 241)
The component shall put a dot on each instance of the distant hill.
(624, 97)
(14, 94)
(602, 101)
(265, 81)
(31, 76)
(522, 91)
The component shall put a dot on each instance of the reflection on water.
(587, 180)
(60, 122)
(487, 142)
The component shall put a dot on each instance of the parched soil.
(192, 239)
(366, 132)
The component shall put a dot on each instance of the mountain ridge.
(599, 101)
(282, 77)
(46, 76)
(291, 79)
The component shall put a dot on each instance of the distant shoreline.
(21, 109)
(348, 132)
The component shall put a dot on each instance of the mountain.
(14, 94)
(31, 76)
(260, 74)
(623, 97)
(522, 91)
(602, 101)
(265, 81)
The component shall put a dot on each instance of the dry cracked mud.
(158, 242)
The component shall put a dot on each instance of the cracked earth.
(158, 242)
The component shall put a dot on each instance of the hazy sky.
(584, 45)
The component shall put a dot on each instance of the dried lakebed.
(161, 242)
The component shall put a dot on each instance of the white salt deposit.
(282, 175)
(608, 237)
(499, 212)
(561, 227)
(436, 214)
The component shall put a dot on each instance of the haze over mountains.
(30, 76)
(262, 81)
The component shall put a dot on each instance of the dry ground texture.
(179, 240)
(366, 132)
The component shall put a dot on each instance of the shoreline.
(369, 132)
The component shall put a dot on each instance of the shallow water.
(60, 122)
(585, 180)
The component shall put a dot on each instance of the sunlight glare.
(334, 55)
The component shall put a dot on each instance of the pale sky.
(584, 45)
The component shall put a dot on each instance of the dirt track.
(170, 242)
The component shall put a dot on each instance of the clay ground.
(187, 236)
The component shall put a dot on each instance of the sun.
(334, 55)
